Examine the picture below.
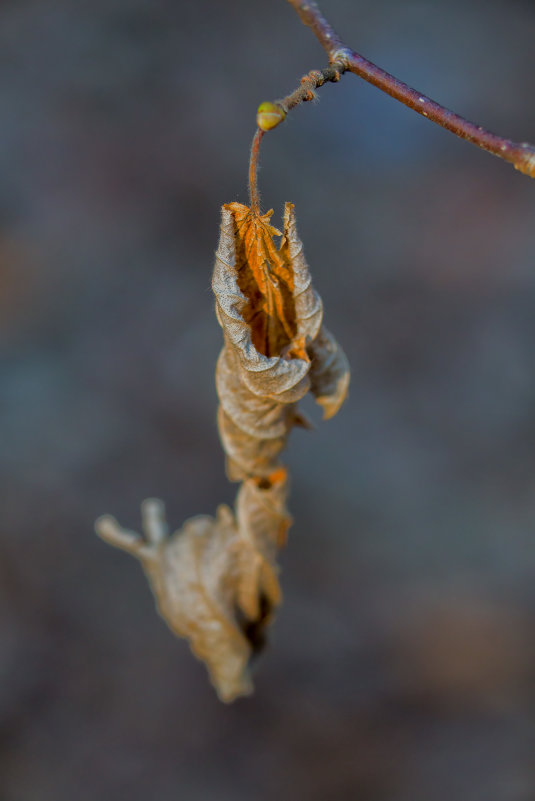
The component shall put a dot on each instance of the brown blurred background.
(402, 664)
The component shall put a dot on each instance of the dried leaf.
(329, 373)
(275, 347)
(215, 581)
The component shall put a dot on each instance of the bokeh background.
(402, 664)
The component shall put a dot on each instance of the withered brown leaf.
(266, 281)
(215, 581)
(264, 296)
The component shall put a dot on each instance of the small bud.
(269, 115)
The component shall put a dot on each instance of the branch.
(270, 115)
(342, 59)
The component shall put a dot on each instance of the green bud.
(269, 115)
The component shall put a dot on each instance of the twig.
(254, 196)
(270, 115)
(520, 154)
(311, 15)
(310, 82)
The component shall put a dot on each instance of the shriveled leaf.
(275, 347)
(266, 280)
(215, 581)
(329, 373)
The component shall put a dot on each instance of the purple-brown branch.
(520, 154)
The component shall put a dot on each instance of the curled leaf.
(329, 373)
(276, 349)
(216, 580)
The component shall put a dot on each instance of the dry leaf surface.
(216, 580)
(276, 348)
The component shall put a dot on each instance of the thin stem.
(520, 154)
(254, 197)
(312, 16)
(309, 83)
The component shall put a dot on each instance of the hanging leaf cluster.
(216, 580)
